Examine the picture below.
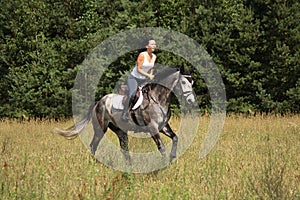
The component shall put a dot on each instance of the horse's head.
(184, 86)
(177, 80)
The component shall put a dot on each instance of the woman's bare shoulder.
(141, 55)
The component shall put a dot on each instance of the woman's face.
(151, 45)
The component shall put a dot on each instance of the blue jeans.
(132, 84)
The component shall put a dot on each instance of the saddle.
(120, 99)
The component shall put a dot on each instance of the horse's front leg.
(169, 132)
(123, 139)
(159, 144)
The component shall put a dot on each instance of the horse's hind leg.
(100, 127)
(123, 139)
(169, 132)
(98, 135)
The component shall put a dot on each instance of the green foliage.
(255, 45)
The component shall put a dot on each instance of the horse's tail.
(74, 130)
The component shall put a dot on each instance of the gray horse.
(151, 116)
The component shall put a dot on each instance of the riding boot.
(127, 107)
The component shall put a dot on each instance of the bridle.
(189, 78)
(187, 93)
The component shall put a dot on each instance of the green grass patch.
(255, 158)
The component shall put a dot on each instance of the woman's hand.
(151, 76)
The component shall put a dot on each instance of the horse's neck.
(161, 94)
(162, 90)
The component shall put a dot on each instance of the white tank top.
(145, 67)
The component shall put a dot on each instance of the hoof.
(172, 158)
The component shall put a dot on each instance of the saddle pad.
(117, 102)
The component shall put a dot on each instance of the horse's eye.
(183, 82)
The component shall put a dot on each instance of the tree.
(255, 45)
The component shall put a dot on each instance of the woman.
(140, 73)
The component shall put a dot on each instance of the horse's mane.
(165, 72)
(160, 76)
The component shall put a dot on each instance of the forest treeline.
(254, 43)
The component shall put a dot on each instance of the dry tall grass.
(255, 158)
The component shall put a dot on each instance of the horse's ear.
(181, 69)
(192, 69)
(189, 71)
(186, 72)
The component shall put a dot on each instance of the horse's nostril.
(190, 100)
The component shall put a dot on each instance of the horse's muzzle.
(190, 99)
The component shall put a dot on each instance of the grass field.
(255, 158)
